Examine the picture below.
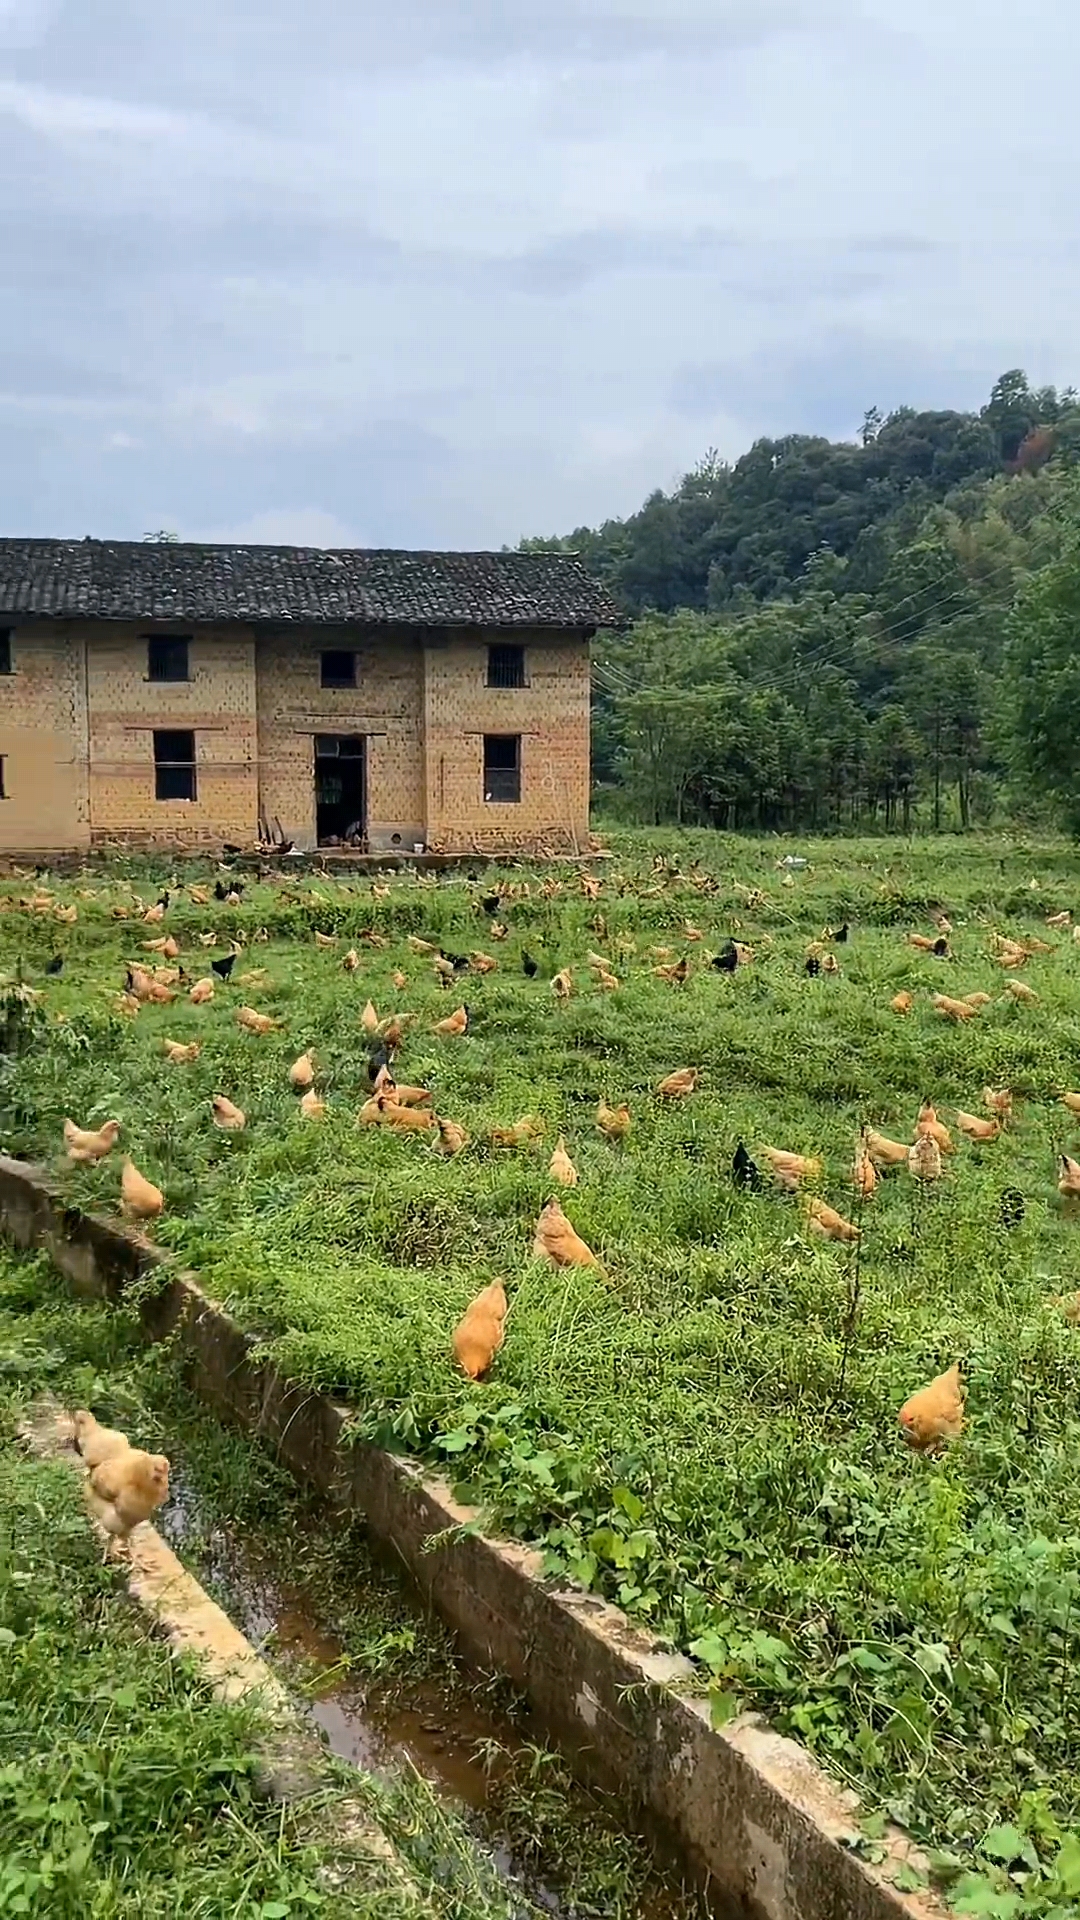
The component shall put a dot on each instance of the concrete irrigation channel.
(742, 1808)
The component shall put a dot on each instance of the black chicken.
(490, 903)
(813, 965)
(841, 934)
(1011, 1209)
(223, 968)
(56, 964)
(744, 1172)
(727, 961)
(378, 1062)
(529, 967)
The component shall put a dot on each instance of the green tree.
(1043, 678)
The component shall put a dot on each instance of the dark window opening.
(341, 790)
(167, 658)
(3, 776)
(338, 669)
(5, 650)
(174, 765)
(502, 766)
(506, 667)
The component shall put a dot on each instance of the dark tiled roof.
(137, 580)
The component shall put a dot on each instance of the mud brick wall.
(551, 714)
(386, 706)
(78, 715)
(125, 706)
(43, 743)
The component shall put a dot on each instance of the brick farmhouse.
(157, 694)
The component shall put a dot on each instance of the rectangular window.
(174, 765)
(167, 658)
(5, 651)
(338, 669)
(502, 766)
(506, 667)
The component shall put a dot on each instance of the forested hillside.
(820, 632)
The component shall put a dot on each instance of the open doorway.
(340, 790)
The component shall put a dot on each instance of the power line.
(821, 656)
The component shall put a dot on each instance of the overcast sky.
(445, 272)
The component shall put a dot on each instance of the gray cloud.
(457, 270)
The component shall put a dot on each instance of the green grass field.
(707, 1433)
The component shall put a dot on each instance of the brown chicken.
(160, 995)
(562, 986)
(677, 1085)
(827, 1223)
(200, 895)
(84, 1147)
(326, 939)
(95, 1443)
(1020, 991)
(976, 1129)
(154, 913)
(166, 945)
(883, 1151)
(863, 1176)
(351, 960)
(482, 963)
(139, 1198)
(789, 1169)
(613, 1122)
(371, 1113)
(400, 980)
(409, 1096)
(597, 962)
(302, 1073)
(922, 942)
(901, 1003)
(924, 1159)
(949, 1009)
(523, 1133)
(607, 982)
(369, 1019)
(420, 946)
(179, 1054)
(929, 1126)
(254, 1022)
(935, 1413)
(202, 992)
(405, 1119)
(1059, 920)
(229, 1118)
(393, 1030)
(676, 975)
(557, 1241)
(479, 1333)
(444, 968)
(451, 1138)
(1072, 1101)
(1069, 1177)
(454, 1025)
(311, 1106)
(561, 1167)
(999, 1100)
(125, 1490)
